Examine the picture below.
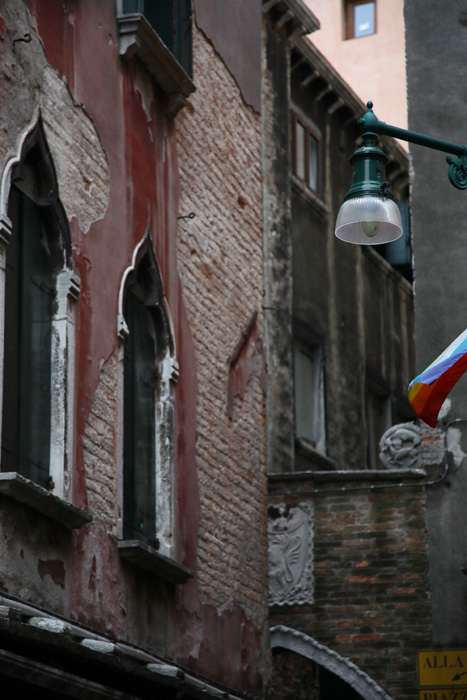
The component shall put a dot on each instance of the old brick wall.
(371, 601)
(220, 263)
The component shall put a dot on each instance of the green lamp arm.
(457, 173)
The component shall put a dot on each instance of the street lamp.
(369, 214)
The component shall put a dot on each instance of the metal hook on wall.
(27, 38)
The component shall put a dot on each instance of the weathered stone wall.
(220, 263)
(277, 250)
(371, 601)
(436, 66)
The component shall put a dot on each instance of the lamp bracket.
(385, 190)
(457, 172)
(370, 125)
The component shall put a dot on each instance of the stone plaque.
(290, 533)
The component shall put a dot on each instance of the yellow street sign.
(442, 668)
(443, 694)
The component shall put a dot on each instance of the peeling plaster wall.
(80, 161)
(115, 154)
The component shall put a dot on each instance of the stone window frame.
(172, 22)
(311, 131)
(138, 39)
(161, 561)
(305, 335)
(55, 502)
(379, 414)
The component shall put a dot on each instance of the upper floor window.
(359, 18)
(309, 396)
(39, 289)
(306, 153)
(173, 22)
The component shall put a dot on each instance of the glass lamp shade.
(369, 220)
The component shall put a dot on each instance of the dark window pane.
(300, 154)
(139, 422)
(313, 163)
(30, 285)
(130, 6)
(378, 416)
(161, 16)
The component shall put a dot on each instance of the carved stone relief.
(400, 447)
(290, 533)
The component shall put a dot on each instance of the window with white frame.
(148, 374)
(310, 423)
(40, 289)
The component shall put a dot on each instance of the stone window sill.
(311, 197)
(312, 482)
(321, 460)
(138, 39)
(20, 489)
(145, 557)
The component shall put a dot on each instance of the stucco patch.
(80, 161)
(454, 439)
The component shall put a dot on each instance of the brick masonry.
(220, 263)
(371, 590)
(80, 161)
(100, 447)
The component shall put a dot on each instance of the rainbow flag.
(428, 391)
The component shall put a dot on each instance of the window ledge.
(310, 196)
(20, 489)
(312, 482)
(305, 449)
(145, 557)
(138, 38)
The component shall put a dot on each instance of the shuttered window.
(29, 297)
(140, 379)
